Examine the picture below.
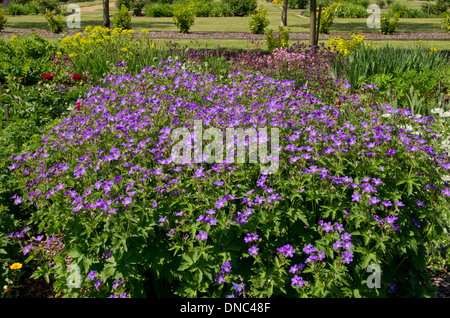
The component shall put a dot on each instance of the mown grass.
(296, 23)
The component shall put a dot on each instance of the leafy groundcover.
(353, 191)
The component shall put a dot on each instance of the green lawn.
(296, 23)
(229, 24)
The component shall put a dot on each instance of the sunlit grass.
(296, 23)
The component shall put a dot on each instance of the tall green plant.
(327, 17)
(55, 23)
(446, 22)
(3, 19)
(389, 25)
(183, 16)
(259, 21)
(279, 39)
(122, 19)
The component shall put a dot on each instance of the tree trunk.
(106, 21)
(318, 25)
(312, 23)
(284, 13)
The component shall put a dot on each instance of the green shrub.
(163, 1)
(3, 19)
(446, 22)
(159, 10)
(48, 5)
(122, 19)
(16, 9)
(202, 8)
(259, 21)
(364, 3)
(183, 16)
(351, 10)
(403, 11)
(136, 6)
(241, 8)
(442, 5)
(55, 23)
(384, 3)
(126, 3)
(388, 25)
(220, 9)
(277, 40)
(297, 4)
(327, 18)
(29, 8)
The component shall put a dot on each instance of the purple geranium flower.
(202, 236)
(92, 275)
(446, 192)
(347, 257)
(253, 250)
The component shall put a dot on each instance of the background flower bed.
(123, 62)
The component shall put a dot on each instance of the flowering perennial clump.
(349, 191)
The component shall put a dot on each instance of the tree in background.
(284, 13)
(315, 8)
(106, 20)
(313, 25)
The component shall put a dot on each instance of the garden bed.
(165, 228)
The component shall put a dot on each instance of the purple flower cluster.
(226, 269)
(287, 250)
(118, 165)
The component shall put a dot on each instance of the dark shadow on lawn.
(403, 26)
(21, 25)
(135, 23)
(43, 25)
(411, 26)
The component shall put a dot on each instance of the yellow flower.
(16, 266)
(421, 43)
(124, 49)
(144, 31)
(433, 50)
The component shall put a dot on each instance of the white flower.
(437, 111)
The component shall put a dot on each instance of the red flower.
(77, 77)
(47, 77)
(338, 103)
(78, 105)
